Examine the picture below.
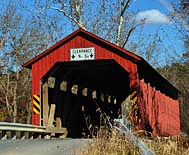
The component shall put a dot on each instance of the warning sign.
(36, 104)
(78, 54)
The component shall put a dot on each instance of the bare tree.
(107, 18)
(124, 6)
(21, 39)
(73, 10)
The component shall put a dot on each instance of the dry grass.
(111, 144)
(168, 145)
(106, 144)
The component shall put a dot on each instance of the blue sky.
(147, 5)
(157, 21)
(168, 33)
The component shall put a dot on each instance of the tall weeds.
(111, 144)
(107, 141)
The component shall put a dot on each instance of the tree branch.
(79, 23)
(121, 19)
(129, 34)
(125, 6)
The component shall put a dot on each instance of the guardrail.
(27, 131)
(119, 125)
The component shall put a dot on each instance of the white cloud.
(152, 17)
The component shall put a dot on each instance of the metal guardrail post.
(36, 135)
(30, 135)
(47, 136)
(13, 135)
(22, 135)
(120, 126)
(4, 135)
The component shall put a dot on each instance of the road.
(43, 147)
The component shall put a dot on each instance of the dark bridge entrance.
(85, 90)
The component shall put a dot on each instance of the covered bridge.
(97, 66)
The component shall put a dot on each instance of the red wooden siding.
(159, 112)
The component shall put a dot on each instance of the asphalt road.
(43, 147)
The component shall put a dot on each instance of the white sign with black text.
(78, 54)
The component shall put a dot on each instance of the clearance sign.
(79, 54)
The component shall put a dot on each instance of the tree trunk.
(15, 90)
(124, 6)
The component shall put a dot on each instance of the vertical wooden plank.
(84, 91)
(33, 79)
(94, 96)
(74, 89)
(63, 85)
(45, 104)
(58, 122)
(70, 45)
(75, 42)
(96, 52)
(51, 59)
(55, 55)
(37, 74)
(51, 115)
(79, 42)
(60, 54)
(47, 62)
(38, 88)
(67, 51)
(33, 90)
(63, 53)
(40, 70)
(44, 66)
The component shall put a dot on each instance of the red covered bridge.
(83, 58)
